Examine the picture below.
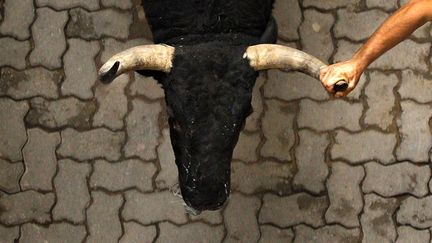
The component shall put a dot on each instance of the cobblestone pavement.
(80, 161)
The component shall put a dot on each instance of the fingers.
(332, 74)
(329, 78)
(351, 86)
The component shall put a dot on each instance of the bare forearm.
(394, 30)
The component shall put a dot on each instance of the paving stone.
(407, 55)
(154, 207)
(292, 210)
(10, 174)
(311, 164)
(142, 129)
(358, 91)
(270, 234)
(254, 119)
(334, 233)
(415, 132)
(415, 86)
(49, 38)
(380, 100)
(96, 143)
(168, 174)
(67, 4)
(261, 177)
(364, 23)
(11, 234)
(93, 25)
(345, 50)
(40, 159)
(112, 104)
(209, 217)
(28, 206)
(315, 31)
(71, 189)
(80, 68)
(416, 212)
(17, 19)
(240, 219)
(364, 146)
(388, 5)
(122, 4)
(12, 128)
(330, 115)
(288, 18)
(59, 232)
(67, 112)
(123, 175)
(330, 4)
(410, 235)
(193, 232)
(140, 27)
(29, 83)
(277, 126)
(247, 146)
(135, 233)
(103, 218)
(13, 52)
(146, 86)
(397, 179)
(376, 221)
(345, 196)
(422, 32)
(292, 86)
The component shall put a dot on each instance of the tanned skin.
(394, 30)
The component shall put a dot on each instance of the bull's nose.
(201, 202)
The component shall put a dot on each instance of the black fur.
(208, 91)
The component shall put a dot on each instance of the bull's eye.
(170, 112)
(176, 125)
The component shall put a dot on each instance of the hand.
(349, 71)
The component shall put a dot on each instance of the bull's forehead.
(210, 81)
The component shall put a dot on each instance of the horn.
(269, 56)
(150, 57)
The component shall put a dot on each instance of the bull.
(206, 56)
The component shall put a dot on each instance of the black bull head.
(207, 66)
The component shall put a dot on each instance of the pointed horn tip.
(108, 76)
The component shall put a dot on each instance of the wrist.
(360, 64)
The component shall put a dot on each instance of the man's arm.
(394, 30)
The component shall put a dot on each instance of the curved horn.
(268, 56)
(149, 57)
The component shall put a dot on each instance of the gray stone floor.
(80, 161)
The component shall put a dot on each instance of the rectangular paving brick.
(97, 143)
(28, 206)
(364, 146)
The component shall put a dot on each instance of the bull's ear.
(271, 32)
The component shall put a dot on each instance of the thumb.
(323, 72)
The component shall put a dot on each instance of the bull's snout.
(206, 193)
(200, 203)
